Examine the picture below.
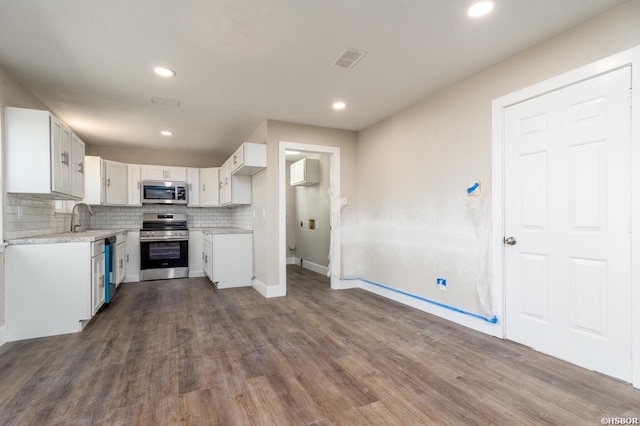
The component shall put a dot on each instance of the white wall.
(266, 194)
(312, 202)
(416, 222)
(12, 93)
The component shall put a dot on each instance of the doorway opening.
(309, 212)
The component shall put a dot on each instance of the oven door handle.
(161, 239)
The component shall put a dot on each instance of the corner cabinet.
(53, 288)
(43, 156)
(249, 159)
(234, 189)
(228, 259)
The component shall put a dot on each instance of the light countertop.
(68, 237)
(223, 230)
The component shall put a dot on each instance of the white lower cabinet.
(98, 280)
(52, 288)
(120, 267)
(196, 254)
(228, 259)
(208, 262)
(132, 258)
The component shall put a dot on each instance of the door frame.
(335, 263)
(630, 58)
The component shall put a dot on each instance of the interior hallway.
(179, 352)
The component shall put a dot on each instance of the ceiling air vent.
(349, 58)
(166, 102)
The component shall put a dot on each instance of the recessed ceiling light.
(166, 133)
(480, 8)
(164, 72)
(339, 105)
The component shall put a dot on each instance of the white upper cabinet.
(305, 172)
(209, 187)
(115, 183)
(134, 185)
(249, 159)
(39, 154)
(234, 189)
(193, 184)
(77, 166)
(93, 192)
(174, 174)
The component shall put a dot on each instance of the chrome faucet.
(74, 227)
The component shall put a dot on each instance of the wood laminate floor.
(179, 352)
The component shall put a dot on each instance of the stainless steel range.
(164, 246)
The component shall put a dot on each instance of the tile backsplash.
(29, 215)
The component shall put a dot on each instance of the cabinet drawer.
(97, 247)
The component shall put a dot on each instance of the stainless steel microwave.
(161, 192)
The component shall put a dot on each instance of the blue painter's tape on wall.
(473, 187)
(492, 319)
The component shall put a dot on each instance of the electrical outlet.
(442, 283)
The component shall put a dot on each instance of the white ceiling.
(239, 62)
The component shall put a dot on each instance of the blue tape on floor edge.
(492, 320)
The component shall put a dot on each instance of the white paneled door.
(567, 223)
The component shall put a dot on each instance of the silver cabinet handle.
(510, 241)
(127, 257)
(204, 187)
(235, 159)
(190, 187)
(109, 182)
(121, 264)
(81, 167)
(220, 185)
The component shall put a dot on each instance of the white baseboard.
(131, 278)
(453, 315)
(315, 267)
(3, 335)
(269, 291)
(293, 261)
(338, 284)
(196, 274)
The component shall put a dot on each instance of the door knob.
(510, 241)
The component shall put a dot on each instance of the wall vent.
(166, 102)
(349, 58)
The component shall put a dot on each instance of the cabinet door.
(132, 258)
(133, 185)
(225, 183)
(193, 181)
(60, 158)
(209, 187)
(77, 166)
(153, 173)
(208, 261)
(297, 172)
(237, 159)
(97, 283)
(196, 254)
(120, 266)
(176, 174)
(115, 183)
